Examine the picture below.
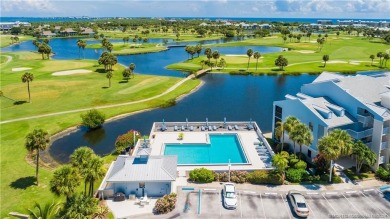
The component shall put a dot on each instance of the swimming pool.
(222, 147)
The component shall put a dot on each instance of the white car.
(299, 203)
(229, 196)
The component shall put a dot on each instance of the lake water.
(238, 98)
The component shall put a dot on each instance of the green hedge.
(202, 175)
(265, 177)
(295, 175)
(165, 204)
(383, 174)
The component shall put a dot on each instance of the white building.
(4, 26)
(358, 104)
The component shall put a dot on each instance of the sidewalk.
(309, 187)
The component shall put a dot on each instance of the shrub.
(265, 177)
(292, 162)
(238, 176)
(322, 164)
(202, 175)
(382, 174)
(336, 179)
(165, 204)
(168, 103)
(300, 165)
(301, 155)
(126, 140)
(92, 119)
(295, 175)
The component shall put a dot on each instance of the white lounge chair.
(202, 128)
(175, 128)
(236, 127)
(191, 128)
(229, 127)
(214, 127)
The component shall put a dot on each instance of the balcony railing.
(361, 134)
(384, 145)
(365, 119)
(381, 159)
(386, 130)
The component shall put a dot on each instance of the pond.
(238, 98)
(149, 63)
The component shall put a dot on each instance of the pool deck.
(250, 140)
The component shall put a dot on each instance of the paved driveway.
(369, 203)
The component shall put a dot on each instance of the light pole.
(331, 170)
(134, 134)
(229, 165)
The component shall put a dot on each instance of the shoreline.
(74, 128)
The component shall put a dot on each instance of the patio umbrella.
(207, 122)
(186, 122)
(224, 122)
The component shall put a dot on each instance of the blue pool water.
(219, 151)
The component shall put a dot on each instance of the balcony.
(365, 120)
(359, 134)
(381, 159)
(386, 130)
(384, 145)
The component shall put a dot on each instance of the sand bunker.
(306, 51)
(71, 72)
(236, 55)
(20, 69)
(336, 61)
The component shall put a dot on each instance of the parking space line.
(209, 189)
(221, 205)
(367, 190)
(286, 206)
(371, 200)
(270, 193)
(312, 193)
(240, 204)
(262, 205)
(250, 192)
(349, 192)
(329, 203)
(311, 210)
(354, 206)
(331, 193)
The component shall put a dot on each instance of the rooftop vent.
(303, 96)
(326, 113)
(339, 111)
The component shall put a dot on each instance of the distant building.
(68, 32)
(324, 22)
(358, 104)
(48, 34)
(5, 26)
(87, 31)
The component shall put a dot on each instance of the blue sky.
(379, 9)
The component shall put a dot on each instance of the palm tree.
(303, 136)
(380, 55)
(132, 68)
(36, 141)
(81, 44)
(372, 57)
(363, 154)
(80, 206)
(280, 161)
(386, 57)
(65, 181)
(289, 125)
(222, 63)
(27, 78)
(249, 53)
(109, 76)
(94, 172)
(208, 53)
(126, 74)
(256, 55)
(325, 58)
(48, 211)
(279, 132)
(80, 159)
(216, 56)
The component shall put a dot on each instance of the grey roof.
(366, 88)
(328, 76)
(136, 169)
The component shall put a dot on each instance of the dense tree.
(380, 55)
(108, 60)
(208, 53)
(80, 207)
(256, 55)
(216, 56)
(48, 211)
(325, 58)
(281, 62)
(37, 141)
(126, 74)
(222, 63)
(249, 53)
(302, 136)
(27, 78)
(65, 181)
(109, 75)
(92, 119)
(363, 154)
(386, 58)
(198, 49)
(128, 139)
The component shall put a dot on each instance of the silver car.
(229, 196)
(299, 203)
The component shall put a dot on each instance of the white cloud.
(28, 5)
(255, 9)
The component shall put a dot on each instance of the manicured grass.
(3, 59)
(132, 48)
(60, 93)
(342, 59)
(5, 40)
(353, 176)
(18, 190)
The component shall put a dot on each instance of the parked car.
(299, 203)
(229, 196)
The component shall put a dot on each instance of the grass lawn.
(54, 94)
(60, 93)
(347, 54)
(5, 39)
(363, 175)
(131, 48)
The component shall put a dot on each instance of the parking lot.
(207, 203)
